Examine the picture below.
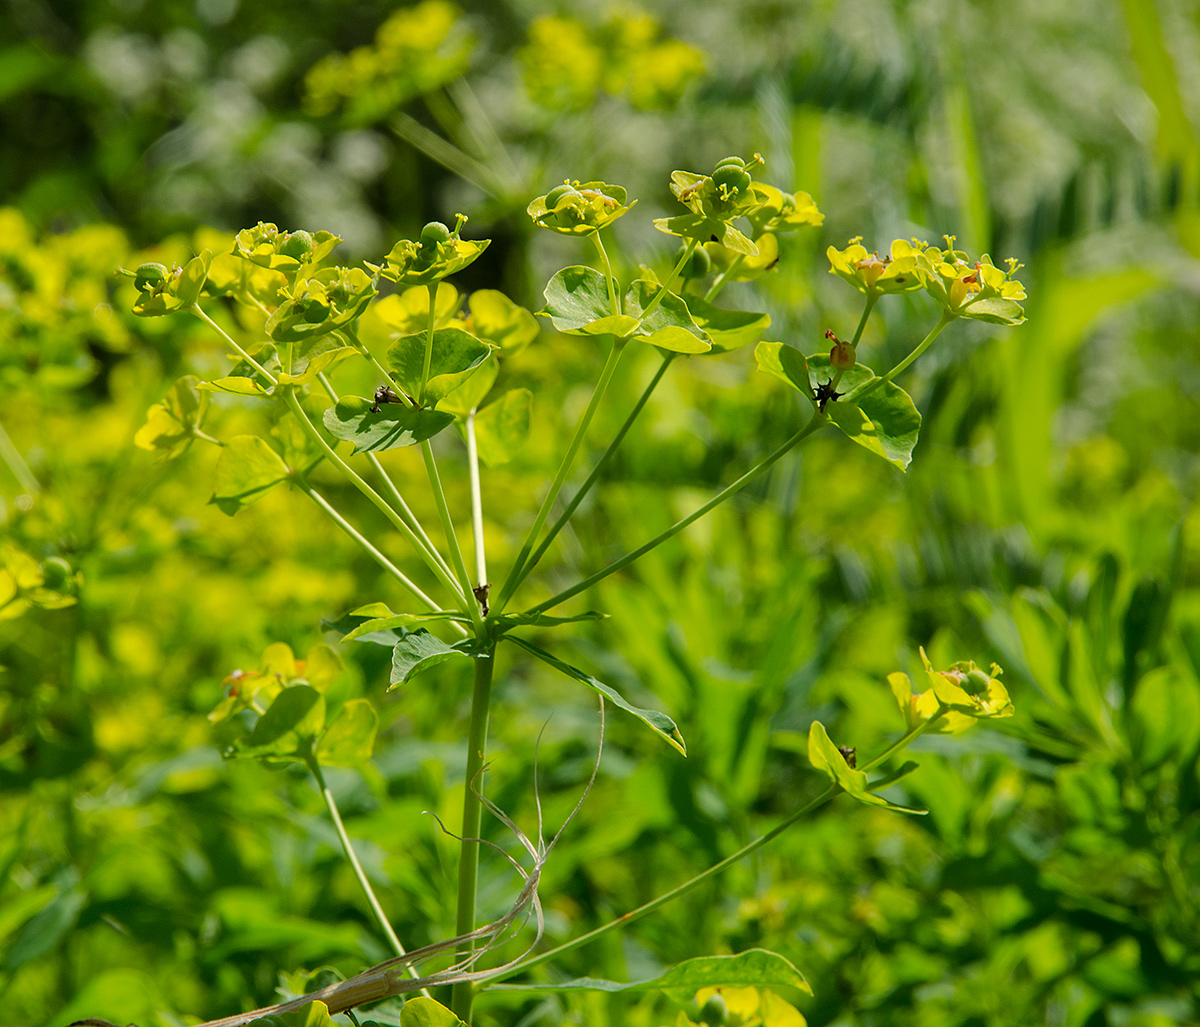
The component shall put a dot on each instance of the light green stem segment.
(608, 275)
(662, 293)
(862, 321)
(868, 387)
(471, 605)
(430, 550)
(719, 282)
(462, 994)
(592, 478)
(16, 463)
(817, 421)
(716, 868)
(348, 848)
(476, 500)
(433, 287)
(380, 504)
(229, 339)
(515, 575)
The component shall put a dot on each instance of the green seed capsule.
(56, 573)
(732, 177)
(297, 245)
(150, 275)
(728, 161)
(557, 193)
(433, 233)
(699, 265)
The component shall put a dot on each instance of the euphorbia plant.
(439, 371)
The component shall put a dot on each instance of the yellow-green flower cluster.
(964, 692)
(438, 254)
(330, 299)
(579, 208)
(288, 252)
(964, 288)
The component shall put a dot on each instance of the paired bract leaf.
(727, 329)
(171, 424)
(419, 650)
(884, 420)
(502, 427)
(247, 470)
(462, 400)
(456, 354)
(670, 324)
(498, 320)
(390, 427)
(824, 755)
(312, 356)
(577, 304)
(658, 722)
(350, 738)
(288, 728)
(785, 363)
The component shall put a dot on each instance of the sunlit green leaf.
(456, 354)
(288, 727)
(825, 756)
(577, 304)
(670, 325)
(350, 737)
(502, 427)
(391, 426)
(885, 421)
(246, 471)
(425, 1012)
(727, 329)
(785, 363)
(419, 650)
(462, 400)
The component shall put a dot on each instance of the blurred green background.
(1046, 521)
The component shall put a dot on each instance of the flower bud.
(150, 275)
(842, 357)
(699, 265)
(297, 244)
(56, 574)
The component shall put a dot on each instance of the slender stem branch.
(662, 293)
(16, 463)
(608, 275)
(376, 499)
(719, 282)
(432, 287)
(713, 870)
(862, 321)
(510, 583)
(868, 387)
(348, 848)
(468, 861)
(476, 501)
(431, 552)
(195, 309)
(817, 421)
(358, 537)
(471, 605)
(592, 478)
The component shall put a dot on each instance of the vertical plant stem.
(662, 293)
(719, 282)
(348, 848)
(610, 365)
(476, 501)
(608, 275)
(471, 607)
(462, 995)
(195, 309)
(16, 463)
(433, 287)
(862, 321)
(592, 478)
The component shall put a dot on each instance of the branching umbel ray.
(389, 978)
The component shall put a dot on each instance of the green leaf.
(707, 229)
(898, 774)
(246, 471)
(995, 311)
(419, 650)
(577, 304)
(727, 329)
(824, 755)
(395, 620)
(785, 363)
(170, 424)
(455, 356)
(753, 968)
(48, 927)
(498, 320)
(425, 1012)
(314, 1014)
(885, 421)
(349, 740)
(391, 426)
(235, 385)
(545, 620)
(473, 391)
(287, 730)
(191, 281)
(658, 722)
(502, 427)
(312, 356)
(670, 325)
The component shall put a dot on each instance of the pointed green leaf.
(170, 424)
(396, 620)
(995, 311)
(785, 363)
(885, 421)
(545, 620)
(824, 755)
(391, 426)
(754, 968)
(659, 722)
(502, 427)
(670, 325)
(419, 650)
(577, 304)
(727, 329)
(350, 738)
(191, 281)
(247, 469)
(425, 1012)
(46, 928)
(312, 356)
(455, 356)
(235, 385)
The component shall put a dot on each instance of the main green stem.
(471, 604)
(476, 500)
(514, 575)
(348, 848)
(463, 994)
(592, 478)
(433, 288)
(817, 421)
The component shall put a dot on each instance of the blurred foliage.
(1045, 522)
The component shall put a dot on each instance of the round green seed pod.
(433, 233)
(56, 574)
(150, 275)
(557, 193)
(733, 178)
(297, 245)
(699, 265)
(736, 162)
(314, 311)
(715, 1012)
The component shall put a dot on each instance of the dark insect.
(849, 755)
(481, 593)
(825, 393)
(383, 394)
